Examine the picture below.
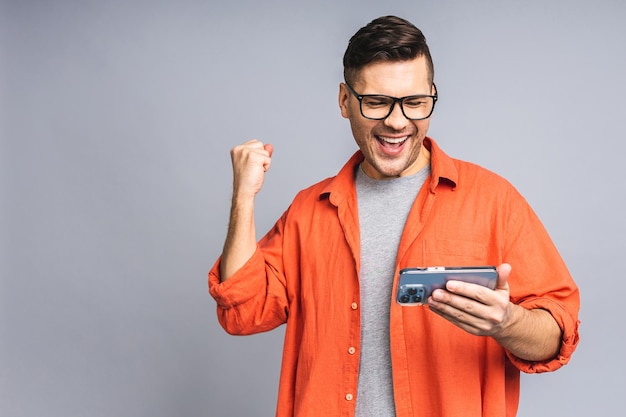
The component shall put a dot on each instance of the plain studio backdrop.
(117, 121)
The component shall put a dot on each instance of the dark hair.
(387, 38)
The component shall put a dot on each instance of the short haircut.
(387, 38)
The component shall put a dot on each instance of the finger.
(468, 290)
(459, 318)
(268, 161)
(251, 148)
(456, 305)
(246, 147)
(254, 143)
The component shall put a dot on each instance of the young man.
(329, 267)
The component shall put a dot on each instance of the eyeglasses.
(379, 107)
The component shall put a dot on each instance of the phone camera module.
(411, 294)
(417, 294)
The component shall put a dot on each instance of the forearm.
(531, 335)
(240, 242)
(250, 162)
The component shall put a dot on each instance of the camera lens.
(417, 299)
(405, 298)
(412, 291)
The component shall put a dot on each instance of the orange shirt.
(305, 272)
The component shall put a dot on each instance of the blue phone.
(417, 284)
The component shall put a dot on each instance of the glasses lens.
(376, 107)
(418, 107)
(379, 107)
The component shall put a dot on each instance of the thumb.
(269, 148)
(504, 270)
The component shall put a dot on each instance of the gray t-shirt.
(383, 207)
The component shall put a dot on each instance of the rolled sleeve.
(251, 300)
(569, 327)
(237, 289)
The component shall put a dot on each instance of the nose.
(396, 119)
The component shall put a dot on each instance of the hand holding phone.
(417, 284)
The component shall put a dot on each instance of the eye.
(416, 101)
(376, 101)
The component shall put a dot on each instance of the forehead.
(397, 79)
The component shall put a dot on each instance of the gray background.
(117, 120)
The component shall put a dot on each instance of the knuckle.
(459, 315)
(469, 307)
(481, 294)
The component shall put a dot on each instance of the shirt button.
(349, 397)
(351, 350)
(354, 306)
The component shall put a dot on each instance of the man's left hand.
(474, 308)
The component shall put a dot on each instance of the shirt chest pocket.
(452, 252)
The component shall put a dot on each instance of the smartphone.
(417, 284)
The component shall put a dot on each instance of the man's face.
(393, 146)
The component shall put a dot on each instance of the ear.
(344, 97)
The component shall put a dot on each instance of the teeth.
(393, 140)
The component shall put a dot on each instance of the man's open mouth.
(392, 142)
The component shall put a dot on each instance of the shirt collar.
(443, 169)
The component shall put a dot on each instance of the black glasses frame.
(394, 100)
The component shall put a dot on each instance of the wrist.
(513, 315)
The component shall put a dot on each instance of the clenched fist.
(250, 162)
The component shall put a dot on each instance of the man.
(329, 266)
